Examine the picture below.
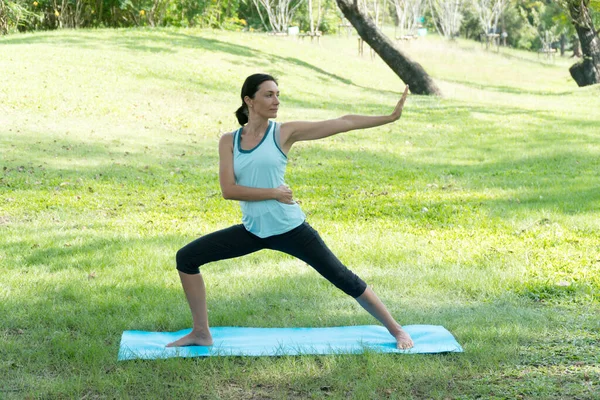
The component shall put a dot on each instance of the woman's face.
(266, 100)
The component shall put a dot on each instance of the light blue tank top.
(264, 167)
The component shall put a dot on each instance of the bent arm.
(296, 131)
(232, 191)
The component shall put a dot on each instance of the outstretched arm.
(297, 131)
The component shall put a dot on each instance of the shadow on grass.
(35, 156)
(93, 254)
(166, 40)
(538, 62)
(561, 180)
(541, 61)
(84, 310)
(301, 63)
(508, 89)
(80, 334)
(537, 171)
(62, 323)
(135, 40)
(294, 298)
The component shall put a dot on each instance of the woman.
(252, 163)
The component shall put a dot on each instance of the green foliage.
(526, 23)
(16, 16)
(48, 14)
(523, 20)
(547, 22)
(470, 27)
(330, 16)
(592, 6)
(247, 11)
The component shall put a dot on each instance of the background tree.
(547, 31)
(15, 15)
(372, 9)
(489, 12)
(587, 71)
(470, 27)
(447, 16)
(279, 12)
(557, 15)
(407, 13)
(314, 26)
(443, 15)
(325, 16)
(411, 72)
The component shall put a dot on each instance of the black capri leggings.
(302, 242)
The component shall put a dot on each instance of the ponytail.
(242, 114)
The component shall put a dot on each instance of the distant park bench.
(406, 37)
(361, 48)
(548, 52)
(348, 28)
(312, 36)
(277, 33)
(491, 39)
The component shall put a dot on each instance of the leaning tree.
(411, 72)
(587, 71)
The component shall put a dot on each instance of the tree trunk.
(411, 72)
(3, 18)
(310, 17)
(576, 47)
(587, 71)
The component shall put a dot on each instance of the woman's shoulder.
(227, 137)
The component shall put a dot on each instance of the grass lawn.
(478, 211)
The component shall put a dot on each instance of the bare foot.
(193, 339)
(403, 340)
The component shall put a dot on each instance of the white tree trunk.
(279, 12)
(310, 17)
(407, 12)
(449, 16)
(489, 11)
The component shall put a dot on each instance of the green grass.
(478, 211)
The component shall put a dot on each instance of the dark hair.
(249, 89)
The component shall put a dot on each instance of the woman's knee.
(346, 280)
(352, 285)
(185, 263)
(357, 288)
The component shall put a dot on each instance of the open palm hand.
(398, 110)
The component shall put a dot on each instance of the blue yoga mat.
(236, 341)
